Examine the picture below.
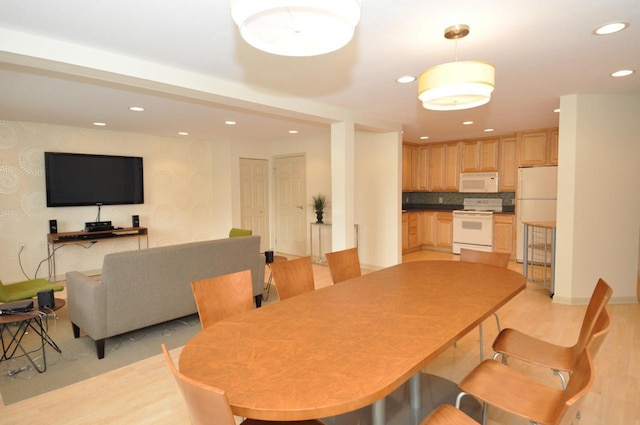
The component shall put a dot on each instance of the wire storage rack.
(540, 254)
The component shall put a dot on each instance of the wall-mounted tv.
(74, 179)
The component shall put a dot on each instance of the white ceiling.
(76, 62)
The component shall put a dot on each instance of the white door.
(291, 209)
(254, 198)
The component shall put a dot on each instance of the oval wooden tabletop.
(345, 346)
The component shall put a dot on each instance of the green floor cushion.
(26, 289)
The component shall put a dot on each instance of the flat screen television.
(74, 179)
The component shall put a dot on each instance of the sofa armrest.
(87, 303)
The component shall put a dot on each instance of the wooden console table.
(55, 240)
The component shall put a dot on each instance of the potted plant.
(319, 204)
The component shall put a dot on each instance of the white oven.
(473, 226)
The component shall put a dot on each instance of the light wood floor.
(145, 393)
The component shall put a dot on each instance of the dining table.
(348, 345)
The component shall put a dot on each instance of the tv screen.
(74, 179)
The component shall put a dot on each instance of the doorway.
(254, 198)
(290, 206)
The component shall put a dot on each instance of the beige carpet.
(78, 360)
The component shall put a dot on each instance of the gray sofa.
(151, 286)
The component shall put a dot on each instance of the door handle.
(300, 207)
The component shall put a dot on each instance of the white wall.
(182, 200)
(598, 215)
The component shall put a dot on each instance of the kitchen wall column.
(342, 185)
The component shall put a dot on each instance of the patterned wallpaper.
(179, 196)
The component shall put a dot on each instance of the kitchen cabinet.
(406, 167)
(444, 167)
(405, 232)
(419, 167)
(537, 148)
(504, 233)
(480, 155)
(508, 167)
(553, 142)
(429, 228)
(444, 232)
(414, 229)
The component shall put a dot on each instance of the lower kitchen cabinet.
(429, 228)
(504, 233)
(444, 223)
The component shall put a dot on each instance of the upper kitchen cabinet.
(553, 141)
(419, 164)
(480, 155)
(444, 167)
(537, 148)
(406, 167)
(414, 167)
(508, 169)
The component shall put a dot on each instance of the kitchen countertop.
(506, 209)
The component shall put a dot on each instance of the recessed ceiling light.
(99, 124)
(136, 108)
(610, 28)
(230, 122)
(293, 131)
(424, 137)
(183, 133)
(622, 73)
(488, 130)
(406, 79)
(467, 122)
(556, 110)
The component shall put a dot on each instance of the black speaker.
(268, 257)
(135, 221)
(53, 226)
(46, 300)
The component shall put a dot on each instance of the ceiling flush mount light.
(136, 108)
(229, 122)
(296, 27)
(610, 28)
(99, 124)
(622, 73)
(456, 85)
(406, 79)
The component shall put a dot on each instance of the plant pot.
(319, 215)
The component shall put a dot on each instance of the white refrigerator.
(535, 199)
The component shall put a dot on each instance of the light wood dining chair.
(209, 405)
(515, 344)
(497, 259)
(223, 296)
(496, 384)
(446, 414)
(293, 277)
(344, 265)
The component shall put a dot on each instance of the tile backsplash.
(453, 198)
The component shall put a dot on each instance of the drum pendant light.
(296, 27)
(456, 85)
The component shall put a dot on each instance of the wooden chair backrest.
(204, 403)
(223, 296)
(577, 388)
(344, 265)
(497, 259)
(599, 299)
(600, 331)
(293, 277)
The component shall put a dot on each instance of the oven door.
(472, 229)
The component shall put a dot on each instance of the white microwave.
(478, 183)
